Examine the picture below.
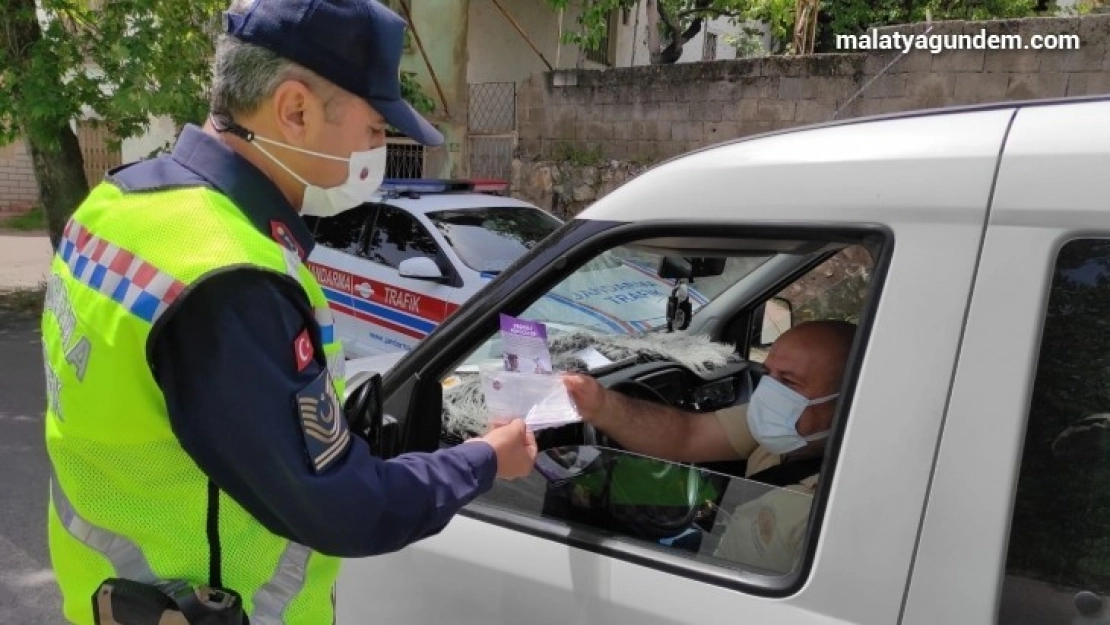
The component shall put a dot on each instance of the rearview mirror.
(367, 419)
(420, 268)
(676, 267)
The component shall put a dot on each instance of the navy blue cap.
(356, 44)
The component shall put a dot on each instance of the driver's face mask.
(773, 414)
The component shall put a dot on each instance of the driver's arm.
(649, 428)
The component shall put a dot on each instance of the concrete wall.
(650, 113)
(442, 26)
(161, 132)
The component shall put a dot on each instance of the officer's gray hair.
(245, 75)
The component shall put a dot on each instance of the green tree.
(678, 21)
(123, 61)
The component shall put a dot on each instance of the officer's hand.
(587, 394)
(515, 448)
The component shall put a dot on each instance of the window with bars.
(404, 158)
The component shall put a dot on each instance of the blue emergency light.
(441, 185)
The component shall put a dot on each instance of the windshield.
(492, 238)
(620, 292)
(617, 293)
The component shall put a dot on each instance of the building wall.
(442, 27)
(498, 53)
(18, 191)
(646, 114)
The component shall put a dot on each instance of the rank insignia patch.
(323, 424)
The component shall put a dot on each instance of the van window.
(1058, 562)
(748, 514)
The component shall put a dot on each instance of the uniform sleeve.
(258, 421)
(735, 422)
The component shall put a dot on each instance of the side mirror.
(420, 268)
(778, 317)
(367, 419)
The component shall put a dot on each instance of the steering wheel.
(629, 388)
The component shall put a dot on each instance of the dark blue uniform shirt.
(224, 357)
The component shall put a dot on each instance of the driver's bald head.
(825, 344)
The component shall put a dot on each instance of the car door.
(509, 559)
(341, 267)
(404, 309)
(1018, 516)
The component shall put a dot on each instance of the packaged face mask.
(541, 400)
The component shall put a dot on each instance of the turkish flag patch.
(302, 350)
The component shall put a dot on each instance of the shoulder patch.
(303, 350)
(323, 425)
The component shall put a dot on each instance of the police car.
(395, 269)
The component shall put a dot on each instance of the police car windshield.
(490, 239)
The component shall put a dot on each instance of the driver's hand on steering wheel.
(586, 393)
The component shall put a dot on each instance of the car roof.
(430, 202)
(916, 165)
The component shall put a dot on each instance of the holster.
(127, 602)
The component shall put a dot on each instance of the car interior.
(754, 290)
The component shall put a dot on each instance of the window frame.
(450, 272)
(368, 222)
(1037, 388)
(415, 395)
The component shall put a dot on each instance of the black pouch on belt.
(127, 602)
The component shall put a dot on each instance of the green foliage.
(414, 93)
(30, 221)
(845, 16)
(573, 155)
(124, 62)
(854, 16)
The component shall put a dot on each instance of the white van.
(966, 476)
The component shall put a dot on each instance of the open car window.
(741, 516)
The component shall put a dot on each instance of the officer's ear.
(292, 110)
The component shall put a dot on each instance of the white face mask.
(773, 414)
(366, 171)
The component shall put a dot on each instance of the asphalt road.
(28, 593)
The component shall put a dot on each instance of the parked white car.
(965, 476)
(394, 270)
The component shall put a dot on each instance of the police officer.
(194, 423)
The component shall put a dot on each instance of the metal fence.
(404, 158)
(491, 140)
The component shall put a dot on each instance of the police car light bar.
(436, 185)
(490, 186)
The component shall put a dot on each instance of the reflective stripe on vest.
(128, 561)
(147, 292)
(127, 279)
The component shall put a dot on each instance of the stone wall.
(646, 114)
(18, 190)
(566, 187)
